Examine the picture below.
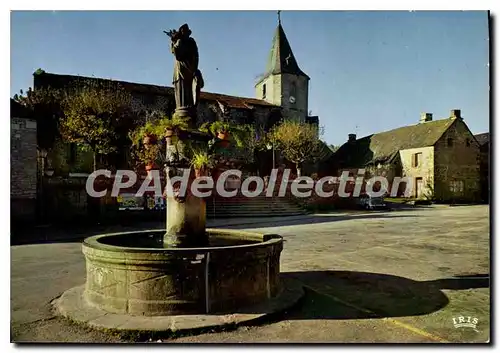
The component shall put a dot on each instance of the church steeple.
(284, 84)
(281, 59)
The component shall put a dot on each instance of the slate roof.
(325, 152)
(281, 59)
(59, 81)
(483, 138)
(383, 147)
(17, 110)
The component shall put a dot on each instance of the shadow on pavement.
(77, 234)
(315, 219)
(55, 234)
(339, 295)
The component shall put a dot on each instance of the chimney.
(352, 138)
(455, 114)
(425, 117)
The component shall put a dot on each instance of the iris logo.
(465, 321)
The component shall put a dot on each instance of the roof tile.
(57, 80)
(381, 147)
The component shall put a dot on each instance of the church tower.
(284, 83)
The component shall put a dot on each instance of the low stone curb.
(74, 307)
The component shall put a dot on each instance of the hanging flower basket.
(169, 132)
(200, 172)
(169, 135)
(223, 136)
(149, 139)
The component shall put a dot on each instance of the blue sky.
(370, 71)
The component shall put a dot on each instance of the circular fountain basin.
(132, 273)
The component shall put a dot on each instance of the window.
(457, 186)
(264, 91)
(467, 142)
(417, 159)
(450, 142)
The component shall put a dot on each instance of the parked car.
(372, 203)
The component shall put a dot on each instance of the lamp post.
(41, 199)
(270, 146)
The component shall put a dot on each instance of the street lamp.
(270, 146)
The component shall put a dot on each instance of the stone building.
(484, 164)
(23, 164)
(284, 84)
(281, 93)
(440, 156)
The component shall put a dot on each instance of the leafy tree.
(44, 105)
(298, 142)
(98, 119)
(251, 137)
(39, 71)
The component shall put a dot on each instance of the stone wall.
(319, 203)
(272, 90)
(423, 169)
(280, 87)
(64, 199)
(457, 160)
(23, 161)
(484, 169)
(298, 87)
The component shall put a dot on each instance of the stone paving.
(370, 277)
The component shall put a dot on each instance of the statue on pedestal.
(186, 214)
(187, 78)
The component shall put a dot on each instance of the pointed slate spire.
(281, 59)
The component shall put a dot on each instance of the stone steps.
(260, 206)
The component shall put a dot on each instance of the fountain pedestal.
(186, 213)
(186, 222)
(189, 278)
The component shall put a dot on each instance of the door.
(419, 184)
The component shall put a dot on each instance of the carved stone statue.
(186, 215)
(187, 78)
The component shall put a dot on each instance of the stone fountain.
(188, 277)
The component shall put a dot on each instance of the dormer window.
(264, 91)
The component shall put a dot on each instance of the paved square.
(370, 277)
